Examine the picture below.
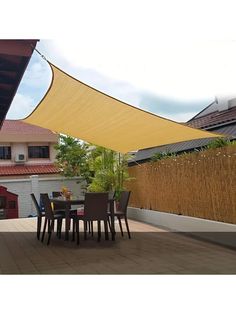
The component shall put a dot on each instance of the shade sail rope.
(41, 55)
(72, 107)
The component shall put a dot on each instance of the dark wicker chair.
(95, 209)
(60, 207)
(50, 218)
(40, 214)
(111, 195)
(121, 211)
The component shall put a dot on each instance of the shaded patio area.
(150, 251)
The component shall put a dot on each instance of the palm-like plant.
(110, 171)
(100, 168)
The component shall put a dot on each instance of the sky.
(137, 87)
(146, 83)
(170, 58)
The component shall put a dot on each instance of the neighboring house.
(27, 157)
(218, 117)
(26, 150)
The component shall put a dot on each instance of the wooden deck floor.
(150, 251)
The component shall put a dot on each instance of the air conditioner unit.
(20, 158)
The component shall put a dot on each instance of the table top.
(73, 200)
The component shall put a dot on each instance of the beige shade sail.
(73, 108)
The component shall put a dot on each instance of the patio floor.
(150, 251)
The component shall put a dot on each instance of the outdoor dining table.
(79, 201)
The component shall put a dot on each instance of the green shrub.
(162, 155)
(219, 142)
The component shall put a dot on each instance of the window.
(5, 152)
(38, 152)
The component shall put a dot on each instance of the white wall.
(215, 231)
(36, 185)
(23, 189)
(52, 152)
(22, 148)
(16, 149)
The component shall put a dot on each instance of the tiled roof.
(20, 127)
(145, 154)
(222, 122)
(213, 118)
(27, 170)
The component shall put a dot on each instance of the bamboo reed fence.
(200, 184)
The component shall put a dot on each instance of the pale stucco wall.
(35, 184)
(22, 148)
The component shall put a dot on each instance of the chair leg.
(85, 230)
(121, 229)
(39, 222)
(50, 230)
(127, 226)
(59, 231)
(110, 226)
(74, 228)
(59, 222)
(77, 230)
(106, 230)
(91, 227)
(109, 223)
(99, 230)
(48, 226)
(44, 228)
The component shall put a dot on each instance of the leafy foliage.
(102, 169)
(101, 163)
(110, 171)
(162, 155)
(71, 157)
(219, 142)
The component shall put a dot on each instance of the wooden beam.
(14, 58)
(7, 79)
(6, 93)
(8, 64)
(18, 47)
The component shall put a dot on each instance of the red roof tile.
(28, 170)
(20, 127)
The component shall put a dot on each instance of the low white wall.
(219, 232)
(36, 185)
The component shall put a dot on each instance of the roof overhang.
(14, 58)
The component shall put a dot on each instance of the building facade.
(27, 157)
(24, 148)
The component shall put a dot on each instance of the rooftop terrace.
(150, 251)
